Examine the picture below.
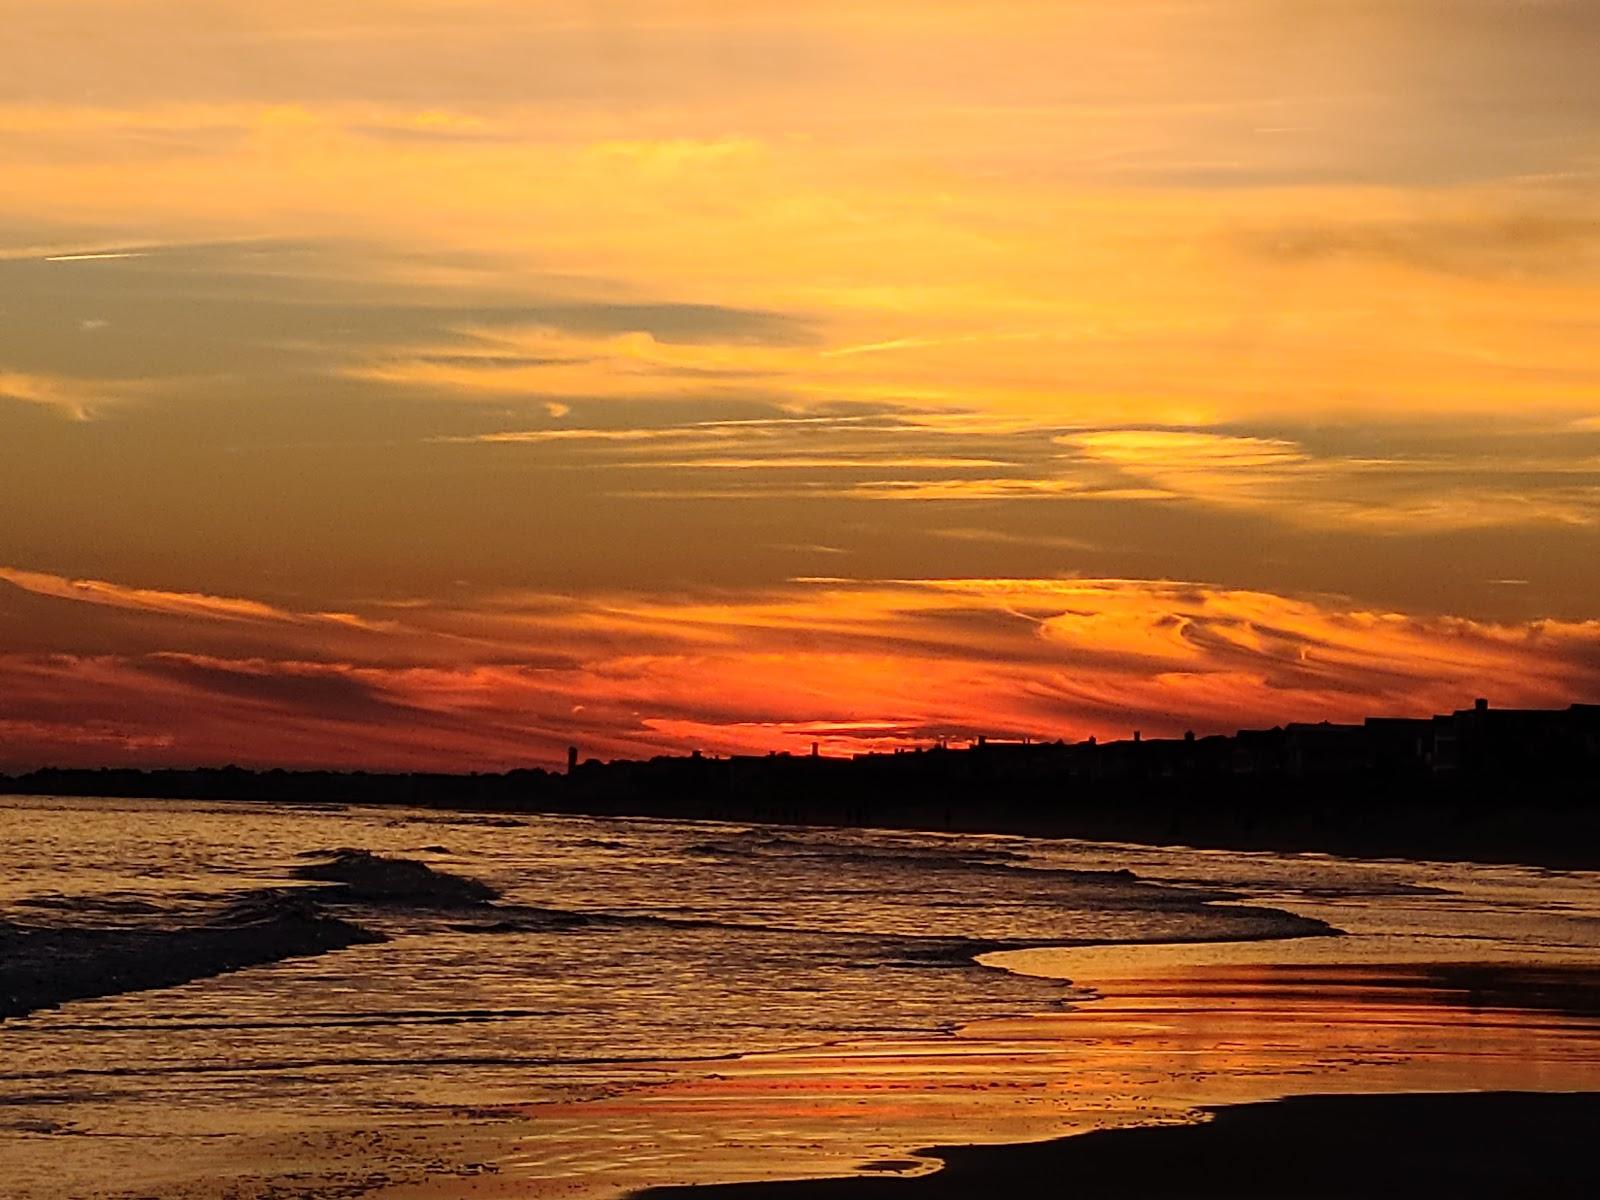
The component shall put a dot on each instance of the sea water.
(278, 972)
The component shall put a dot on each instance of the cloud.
(263, 312)
(1427, 480)
(1554, 243)
(829, 463)
(1400, 494)
(551, 362)
(77, 399)
(513, 678)
(1307, 296)
(1003, 538)
(333, 694)
(996, 489)
(168, 603)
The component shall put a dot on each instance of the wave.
(362, 877)
(46, 967)
(1245, 923)
(966, 858)
(107, 905)
(43, 967)
(457, 818)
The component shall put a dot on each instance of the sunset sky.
(436, 383)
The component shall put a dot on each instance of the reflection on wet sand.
(1157, 1043)
(1467, 1145)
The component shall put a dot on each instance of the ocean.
(223, 999)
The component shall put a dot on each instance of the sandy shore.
(1448, 1045)
(1358, 1065)
(1423, 1063)
(1498, 1144)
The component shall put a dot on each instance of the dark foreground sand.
(1499, 1144)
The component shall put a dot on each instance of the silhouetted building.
(1326, 749)
(1401, 745)
(1258, 752)
(1301, 779)
(1514, 741)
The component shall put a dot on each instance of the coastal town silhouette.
(1480, 782)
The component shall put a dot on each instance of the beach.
(1487, 1144)
(1446, 1044)
(1179, 1079)
(491, 1006)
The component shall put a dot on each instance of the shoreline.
(1465, 1144)
(1555, 837)
(1383, 1019)
(1446, 980)
(1219, 1057)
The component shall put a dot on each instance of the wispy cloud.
(1403, 494)
(1425, 481)
(514, 677)
(78, 399)
(169, 603)
(102, 257)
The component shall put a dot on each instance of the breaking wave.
(359, 876)
(45, 967)
(341, 894)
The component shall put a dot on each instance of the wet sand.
(1318, 1078)
(1360, 1069)
(1493, 1144)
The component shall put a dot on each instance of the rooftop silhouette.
(1482, 782)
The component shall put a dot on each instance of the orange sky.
(426, 383)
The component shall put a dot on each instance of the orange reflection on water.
(1149, 1049)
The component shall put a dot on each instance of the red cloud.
(511, 681)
